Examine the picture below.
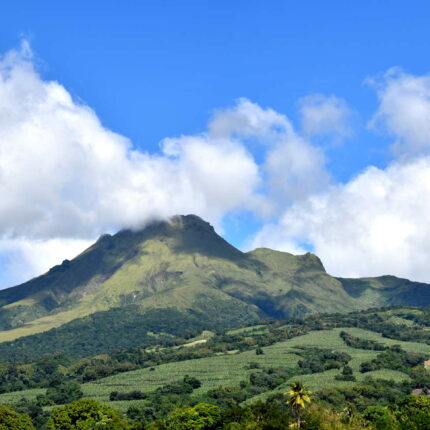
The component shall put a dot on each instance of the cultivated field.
(230, 369)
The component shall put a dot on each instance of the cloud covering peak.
(63, 175)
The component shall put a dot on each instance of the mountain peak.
(182, 263)
(180, 229)
(189, 220)
(166, 225)
(183, 223)
(186, 234)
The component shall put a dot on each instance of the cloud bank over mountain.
(377, 223)
(65, 178)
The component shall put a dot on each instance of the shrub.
(203, 416)
(64, 393)
(85, 414)
(9, 419)
(132, 395)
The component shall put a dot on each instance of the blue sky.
(153, 70)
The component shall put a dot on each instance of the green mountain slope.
(183, 265)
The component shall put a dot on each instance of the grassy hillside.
(231, 367)
(185, 266)
(349, 361)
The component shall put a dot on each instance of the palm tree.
(298, 398)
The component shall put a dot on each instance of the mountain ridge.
(182, 264)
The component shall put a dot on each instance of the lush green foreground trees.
(411, 413)
(85, 414)
(9, 419)
(203, 416)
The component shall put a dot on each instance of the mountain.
(182, 268)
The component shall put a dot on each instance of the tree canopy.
(85, 414)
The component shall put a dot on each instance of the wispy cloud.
(327, 116)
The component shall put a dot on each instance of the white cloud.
(63, 176)
(249, 119)
(293, 168)
(325, 116)
(378, 222)
(26, 258)
(404, 111)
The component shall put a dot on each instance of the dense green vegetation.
(219, 379)
(359, 343)
(85, 414)
(317, 360)
(311, 354)
(118, 328)
(298, 407)
(394, 358)
(10, 419)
